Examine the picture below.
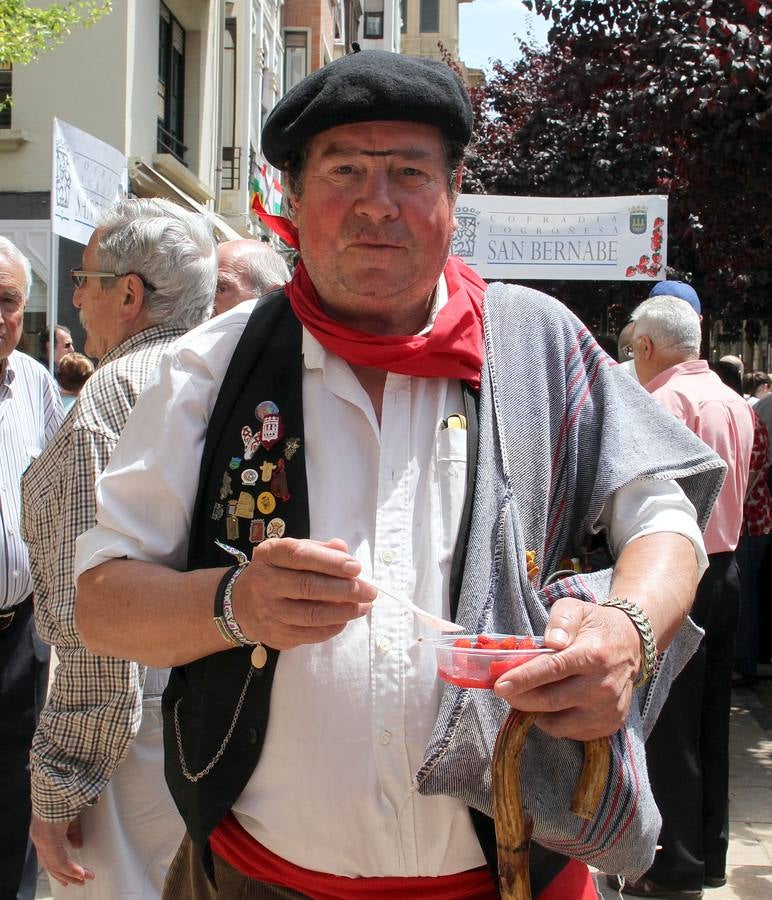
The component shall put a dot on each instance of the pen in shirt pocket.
(454, 421)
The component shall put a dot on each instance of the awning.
(149, 182)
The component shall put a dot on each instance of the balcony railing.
(231, 168)
(169, 143)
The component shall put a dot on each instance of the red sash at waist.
(239, 849)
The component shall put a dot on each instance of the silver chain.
(226, 740)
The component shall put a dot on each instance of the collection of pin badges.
(255, 483)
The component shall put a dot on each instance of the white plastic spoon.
(434, 622)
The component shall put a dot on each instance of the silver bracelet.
(227, 611)
(645, 632)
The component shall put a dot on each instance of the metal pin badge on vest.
(279, 482)
(266, 470)
(271, 423)
(291, 447)
(256, 531)
(275, 528)
(251, 441)
(245, 508)
(226, 488)
(266, 503)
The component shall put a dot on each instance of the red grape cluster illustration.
(650, 265)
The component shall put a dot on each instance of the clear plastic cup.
(478, 661)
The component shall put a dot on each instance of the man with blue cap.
(679, 289)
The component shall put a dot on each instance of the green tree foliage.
(633, 96)
(27, 31)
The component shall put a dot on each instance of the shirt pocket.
(451, 477)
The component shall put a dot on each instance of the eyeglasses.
(79, 277)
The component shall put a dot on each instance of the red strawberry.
(483, 640)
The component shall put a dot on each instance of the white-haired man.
(30, 413)
(148, 276)
(687, 752)
(247, 269)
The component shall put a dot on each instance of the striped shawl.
(560, 431)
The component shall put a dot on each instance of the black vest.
(201, 698)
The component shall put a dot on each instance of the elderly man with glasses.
(148, 276)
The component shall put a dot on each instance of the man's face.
(63, 344)
(233, 285)
(98, 305)
(375, 221)
(13, 299)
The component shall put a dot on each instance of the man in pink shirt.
(687, 752)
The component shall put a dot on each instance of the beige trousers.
(131, 835)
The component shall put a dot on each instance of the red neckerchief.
(452, 348)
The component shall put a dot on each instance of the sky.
(486, 29)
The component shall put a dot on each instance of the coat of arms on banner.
(638, 219)
(63, 179)
(465, 235)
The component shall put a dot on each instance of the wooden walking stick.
(513, 829)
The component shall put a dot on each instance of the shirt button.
(387, 556)
(383, 644)
(252, 735)
(385, 737)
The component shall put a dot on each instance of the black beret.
(369, 86)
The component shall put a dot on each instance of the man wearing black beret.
(389, 418)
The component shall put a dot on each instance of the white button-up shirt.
(350, 717)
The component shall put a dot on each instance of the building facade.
(428, 23)
(380, 27)
(180, 87)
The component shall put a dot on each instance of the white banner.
(88, 175)
(599, 238)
